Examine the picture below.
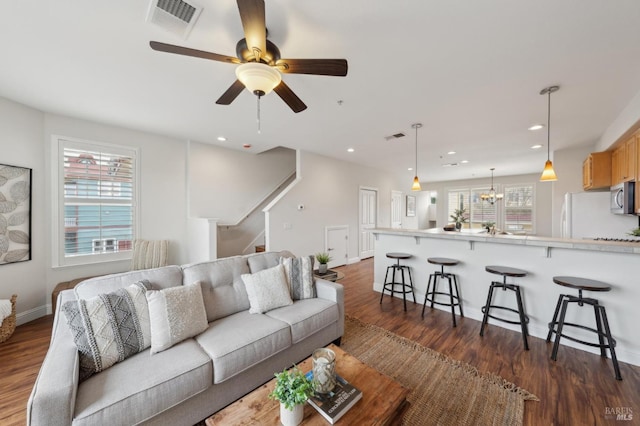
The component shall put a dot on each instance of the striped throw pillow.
(299, 272)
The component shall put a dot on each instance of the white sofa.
(238, 351)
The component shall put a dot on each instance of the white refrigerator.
(588, 215)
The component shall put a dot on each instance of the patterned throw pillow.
(267, 290)
(299, 272)
(176, 313)
(110, 327)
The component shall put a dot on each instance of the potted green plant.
(459, 217)
(292, 390)
(634, 232)
(488, 225)
(323, 258)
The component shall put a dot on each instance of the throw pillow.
(110, 327)
(267, 290)
(176, 314)
(299, 272)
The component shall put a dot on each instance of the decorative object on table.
(7, 319)
(335, 404)
(15, 214)
(488, 225)
(323, 258)
(411, 206)
(459, 217)
(324, 370)
(548, 174)
(329, 275)
(292, 390)
(492, 196)
(416, 182)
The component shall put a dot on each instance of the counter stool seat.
(454, 291)
(523, 319)
(405, 287)
(556, 326)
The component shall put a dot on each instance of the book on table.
(336, 403)
(329, 275)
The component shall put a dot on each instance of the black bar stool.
(390, 285)
(454, 299)
(506, 271)
(556, 325)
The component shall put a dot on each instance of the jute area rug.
(443, 391)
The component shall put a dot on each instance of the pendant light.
(548, 174)
(492, 196)
(416, 181)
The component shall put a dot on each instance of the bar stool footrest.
(456, 298)
(484, 308)
(552, 328)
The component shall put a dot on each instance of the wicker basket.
(9, 324)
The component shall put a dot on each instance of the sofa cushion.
(299, 272)
(110, 327)
(176, 313)
(267, 289)
(165, 277)
(306, 317)
(143, 386)
(242, 340)
(259, 261)
(223, 291)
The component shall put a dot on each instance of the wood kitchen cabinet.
(596, 170)
(623, 162)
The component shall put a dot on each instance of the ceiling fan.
(259, 62)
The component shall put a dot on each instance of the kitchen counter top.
(527, 240)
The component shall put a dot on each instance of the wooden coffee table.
(383, 399)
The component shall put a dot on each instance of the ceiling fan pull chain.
(258, 114)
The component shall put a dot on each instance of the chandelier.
(492, 196)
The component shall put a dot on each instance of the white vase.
(322, 268)
(289, 417)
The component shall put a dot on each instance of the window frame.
(59, 143)
(533, 207)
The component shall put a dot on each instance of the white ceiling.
(470, 71)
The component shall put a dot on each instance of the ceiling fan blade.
(231, 94)
(289, 97)
(253, 22)
(334, 67)
(170, 48)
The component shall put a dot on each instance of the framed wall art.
(15, 214)
(411, 205)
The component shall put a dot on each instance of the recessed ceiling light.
(350, 150)
(464, 161)
(410, 168)
(246, 145)
(536, 127)
(222, 139)
(536, 146)
(451, 152)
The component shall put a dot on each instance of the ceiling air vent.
(175, 16)
(395, 136)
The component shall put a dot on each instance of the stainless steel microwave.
(622, 196)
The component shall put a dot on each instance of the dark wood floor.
(575, 390)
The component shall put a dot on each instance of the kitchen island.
(616, 263)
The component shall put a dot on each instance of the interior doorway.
(368, 199)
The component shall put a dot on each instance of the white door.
(368, 221)
(337, 244)
(396, 209)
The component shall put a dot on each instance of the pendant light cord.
(549, 126)
(416, 150)
(259, 114)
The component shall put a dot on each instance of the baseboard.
(353, 260)
(32, 314)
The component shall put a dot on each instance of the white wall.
(543, 191)
(21, 130)
(329, 190)
(226, 184)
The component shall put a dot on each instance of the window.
(514, 214)
(518, 209)
(95, 202)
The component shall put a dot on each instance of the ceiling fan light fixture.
(260, 79)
